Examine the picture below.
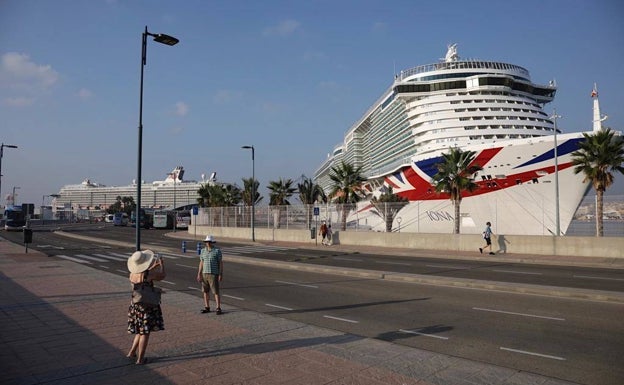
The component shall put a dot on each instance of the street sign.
(316, 211)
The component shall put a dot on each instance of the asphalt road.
(572, 339)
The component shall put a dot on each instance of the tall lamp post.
(2, 146)
(253, 191)
(557, 225)
(164, 39)
(175, 212)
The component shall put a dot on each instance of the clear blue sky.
(289, 77)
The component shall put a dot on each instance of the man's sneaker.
(481, 250)
(205, 310)
(219, 312)
(492, 253)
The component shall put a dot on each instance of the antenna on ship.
(597, 122)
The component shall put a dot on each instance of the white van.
(108, 218)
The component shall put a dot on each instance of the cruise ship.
(491, 108)
(173, 191)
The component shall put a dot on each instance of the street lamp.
(557, 226)
(253, 191)
(2, 146)
(175, 212)
(164, 39)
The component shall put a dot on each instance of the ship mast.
(597, 121)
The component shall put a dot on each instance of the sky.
(288, 77)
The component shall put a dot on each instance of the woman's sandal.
(141, 362)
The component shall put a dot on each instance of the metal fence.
(303, 217)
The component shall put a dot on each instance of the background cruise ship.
(492, 108)
(159, 194)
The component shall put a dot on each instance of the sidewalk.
(64, 323)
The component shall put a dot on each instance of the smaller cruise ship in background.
(174, 190)
(491, 108)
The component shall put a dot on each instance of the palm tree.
(281, 191)
(250, 197)
(388, 205)
(455, 175)
(599, 156)
(346, 183)
(310, 193)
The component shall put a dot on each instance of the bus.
(183, 219)
(147, 219)
(14, 218)
(163, 219)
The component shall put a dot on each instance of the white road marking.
(450, 267)
(74, 259)
(190, 267)
(533, 354)
(50, 247)
(111, 257)
(169, 282)
(605, 278)
(341, 319)
(231, 296)
(516, 272)
(276, 306)
(393, 263)
(422, 334)
(126, 256)
(193, 288)
(298, 284)
(347, 259)
(91, 258)
(520, 314)
(104, 267)
(123, 271)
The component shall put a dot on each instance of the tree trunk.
(599, 213)
(457, 218)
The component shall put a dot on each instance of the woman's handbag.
(145, 293)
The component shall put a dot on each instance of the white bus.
(183, 219)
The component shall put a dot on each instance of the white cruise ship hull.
(517, 191)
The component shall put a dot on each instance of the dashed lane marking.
(533, 353)
(520, 314)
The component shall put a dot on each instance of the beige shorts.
(210, 283)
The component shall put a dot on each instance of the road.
(573, 339)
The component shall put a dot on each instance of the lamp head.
(165, 39)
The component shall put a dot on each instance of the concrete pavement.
(64, 323)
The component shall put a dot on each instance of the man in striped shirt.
(210, 273)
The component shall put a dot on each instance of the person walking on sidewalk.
(487, 235)
(323, 233)
(329, 235)
(210, 273)
(144, 266)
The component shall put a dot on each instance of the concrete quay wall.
(605, 247)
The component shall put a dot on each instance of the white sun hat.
(140, 261)
(210, 239)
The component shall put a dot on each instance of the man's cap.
(210, 239)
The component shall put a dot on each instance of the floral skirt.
(144, 319)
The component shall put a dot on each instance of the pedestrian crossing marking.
(122, 257)
(91, 258)
(73, 259)
(111, 257)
